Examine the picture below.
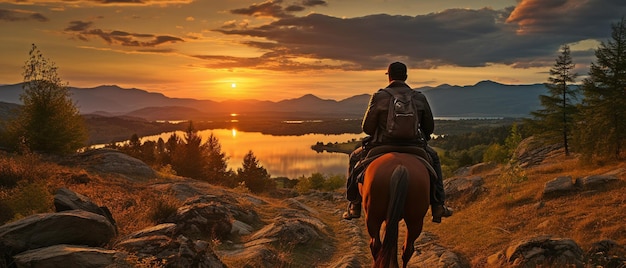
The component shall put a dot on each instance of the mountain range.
(484, 99)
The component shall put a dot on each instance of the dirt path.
(350, 236)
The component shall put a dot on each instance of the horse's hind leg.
(373, 228)
(409, 247)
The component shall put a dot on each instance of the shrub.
(163, 208)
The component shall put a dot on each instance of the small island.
(344, 147)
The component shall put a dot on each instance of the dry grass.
(517, 211)
(506, 213)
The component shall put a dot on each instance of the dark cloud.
(527, 35)
(77, 26)
(311, 3)
(294, 8)
(274, 8)
(19, 15)
(81, 29)
(271, 8)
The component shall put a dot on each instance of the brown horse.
(396, 186)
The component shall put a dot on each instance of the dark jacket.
(375, 119)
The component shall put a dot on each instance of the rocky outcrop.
(64, 199)
(428, 253)
(542, 251)
(461, 190)
(565, 184)
(112, 161)
(531, 152)
(70, 255)
(68, 227)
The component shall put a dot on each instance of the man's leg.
(438, 195)
(352, 187)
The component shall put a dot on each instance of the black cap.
(397, 70)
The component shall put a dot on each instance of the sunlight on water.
(288, 156)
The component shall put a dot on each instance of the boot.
(439, 211)
(354, 211)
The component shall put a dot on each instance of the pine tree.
(254, 175)
(48, 121)
(555, 121)
(216, 166)
(189, 159)
(603, 111)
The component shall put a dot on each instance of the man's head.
(397, 71)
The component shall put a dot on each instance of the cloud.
(311, 3)
(21, 15)
(528, 35)
(274, 8)
(82, 30)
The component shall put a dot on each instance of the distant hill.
(485, 99)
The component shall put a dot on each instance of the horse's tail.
(397, 195)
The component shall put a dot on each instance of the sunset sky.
(275, 50)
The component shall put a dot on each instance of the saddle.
(417, 151)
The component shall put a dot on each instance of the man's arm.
(427, 123)
(370, 120)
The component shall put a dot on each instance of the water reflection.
(288, 156)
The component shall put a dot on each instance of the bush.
(163, 208)
(27, 199)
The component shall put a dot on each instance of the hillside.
(502, 213)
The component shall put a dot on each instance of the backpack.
(402, 118)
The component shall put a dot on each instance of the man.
(375, 124)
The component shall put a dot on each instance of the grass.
(511, 212)
(507, 212)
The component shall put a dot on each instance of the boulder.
(62, 255)
(113, 161)
(542, 251)
(238, 211)
(68, 227)
(532, 151)
(463, 189)
(291, 228)
(65, 199)
(430, 254)
(202, 220)
(174, 252)
(559, 185)
(597, 181)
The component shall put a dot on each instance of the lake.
(282, 156)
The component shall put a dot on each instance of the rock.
(463, 189)
(597, 181)
(430, 254)
(62, 255)
(113, 161)
(291, 228)
(174, 252)
(232, 205)
(559, 185)
(475, 169)
(241, 228)
(202, 220)
(295, 204)
(165, 229)
(544, 251)
(531, 152)
(607, 253)
(65, 199)
(68, 227)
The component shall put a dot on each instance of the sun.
(233, 85)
